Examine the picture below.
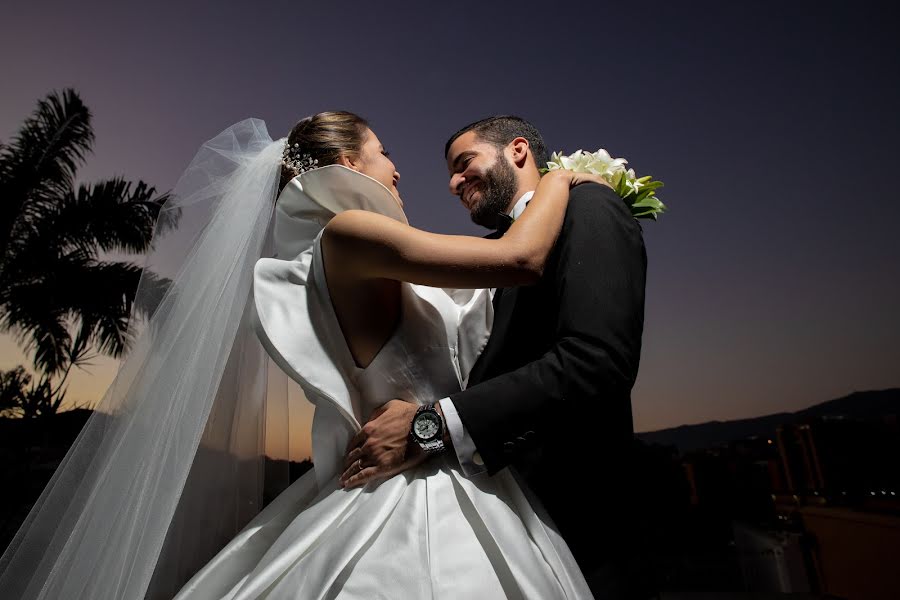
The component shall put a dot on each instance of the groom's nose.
(456, 180)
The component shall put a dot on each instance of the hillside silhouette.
(858, 405)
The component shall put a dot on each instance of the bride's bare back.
(366, 254)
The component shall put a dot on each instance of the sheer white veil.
(171, 464)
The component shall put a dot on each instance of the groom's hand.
(382, 449)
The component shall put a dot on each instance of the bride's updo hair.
(326, 137)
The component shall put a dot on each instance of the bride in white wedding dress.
(160, 473)
(355, 337)
(355, 341)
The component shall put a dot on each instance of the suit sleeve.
(588, 372)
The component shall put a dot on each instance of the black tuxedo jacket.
(551, 392)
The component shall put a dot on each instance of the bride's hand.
(579, 178)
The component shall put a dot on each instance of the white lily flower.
(622, 179)
(579, 161)
(615, 178)
(555, 162)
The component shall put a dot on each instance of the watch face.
(426, 426)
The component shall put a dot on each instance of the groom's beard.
(498, 186)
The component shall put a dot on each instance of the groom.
(551, 393)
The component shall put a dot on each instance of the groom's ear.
(518, 151)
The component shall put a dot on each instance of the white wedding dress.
(428, 533)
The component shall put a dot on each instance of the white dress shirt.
(469, 458)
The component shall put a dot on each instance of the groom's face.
(482, 177)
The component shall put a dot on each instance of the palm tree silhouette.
(57, 296)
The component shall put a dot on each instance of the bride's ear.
(349, 162)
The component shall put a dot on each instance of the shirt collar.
(519, 206)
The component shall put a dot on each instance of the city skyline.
(772, 280)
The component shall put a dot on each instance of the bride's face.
(374, 161)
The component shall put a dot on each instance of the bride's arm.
(365, 245)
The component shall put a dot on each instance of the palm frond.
(70, 289)
(150, 294)
(60, 302)
(51, 342)
(34, 311)
(13, 384)
(113, 215)
(103, 303)
(54, 141)
(39, 165)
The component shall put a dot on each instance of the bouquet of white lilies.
(638, 192)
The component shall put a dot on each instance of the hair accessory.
(297, 161)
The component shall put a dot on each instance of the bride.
(351, 308)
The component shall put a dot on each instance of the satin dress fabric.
(430, 532)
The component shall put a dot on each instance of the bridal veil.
(171, 464)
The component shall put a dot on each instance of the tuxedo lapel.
(503, 311)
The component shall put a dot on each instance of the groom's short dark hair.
(503, 129)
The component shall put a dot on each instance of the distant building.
(854, 552)
(804, 507)
(734, 479)
(841, 462)
(771, 561)
(842, 488)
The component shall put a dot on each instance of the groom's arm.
(461, 443)
(589, 370)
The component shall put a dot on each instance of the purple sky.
(773, 282)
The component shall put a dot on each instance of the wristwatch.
(428, 429)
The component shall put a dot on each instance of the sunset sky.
(773, 281)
